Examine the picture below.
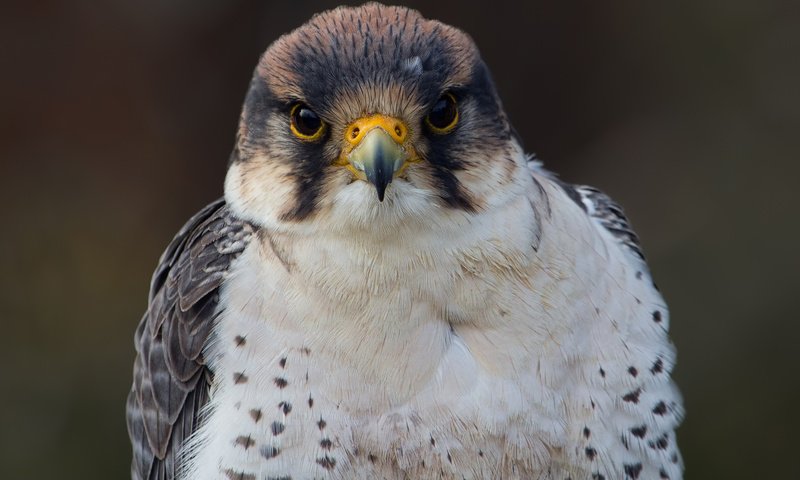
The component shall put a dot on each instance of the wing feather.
(170, 378)
(607, 213)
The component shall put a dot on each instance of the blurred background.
(118, 118)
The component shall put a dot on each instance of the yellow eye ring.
(305, 123)
(443, 117)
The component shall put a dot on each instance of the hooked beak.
(377, 149)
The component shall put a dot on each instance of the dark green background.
(118, 117)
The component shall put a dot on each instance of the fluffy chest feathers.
(473, 356)
(385, 309)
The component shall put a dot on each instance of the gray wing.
(170, 378)
(607, 212)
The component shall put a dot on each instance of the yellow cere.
(396, 128)
(357, 130)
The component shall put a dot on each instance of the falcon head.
(370, 116)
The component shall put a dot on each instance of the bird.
(392, 288)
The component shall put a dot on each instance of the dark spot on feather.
(658, 367)
(310, 402)
(591, 453)
(327, 462)
(660, 408)
(674, 457)
(305, 351)
(371, 458)
(639, 432)
(234, 475)
(322, 424)
(449, 458)
(433, 442)
(633, 471)
(586, 432)
(663, 474)
(633, 371)
(638, 275)
(280, 382)
(480, 453)
(239, 377)
(268, 451)
(602, 372)
(657, 316)
(598, 476)
(633, 396)
(282, 362)
(255, 414)
(278, 428)
(286, 407)
(624, 441)
(239, 340)
(661, 443)
(326, 443)
(244, 441)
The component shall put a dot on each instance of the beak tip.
(381, 193)
(379, 157)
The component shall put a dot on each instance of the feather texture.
(607, 212)
(171, 379)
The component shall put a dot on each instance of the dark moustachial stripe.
(309, 176)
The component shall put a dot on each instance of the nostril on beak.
(354, 133)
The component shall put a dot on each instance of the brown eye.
(443, 117)
(306, 124)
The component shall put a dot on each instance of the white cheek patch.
(259, 190)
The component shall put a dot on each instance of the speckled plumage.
(485, 321)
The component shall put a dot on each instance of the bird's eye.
(306, 125)
(443, 117)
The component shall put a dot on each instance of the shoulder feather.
(170, 378)
(606, 212)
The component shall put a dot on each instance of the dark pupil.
(443, 112)
(306, 121)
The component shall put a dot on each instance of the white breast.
(475, 360)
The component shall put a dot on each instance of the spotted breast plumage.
(391, 288)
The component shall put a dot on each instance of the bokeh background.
(118, 118)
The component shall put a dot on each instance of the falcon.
(392, 289)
